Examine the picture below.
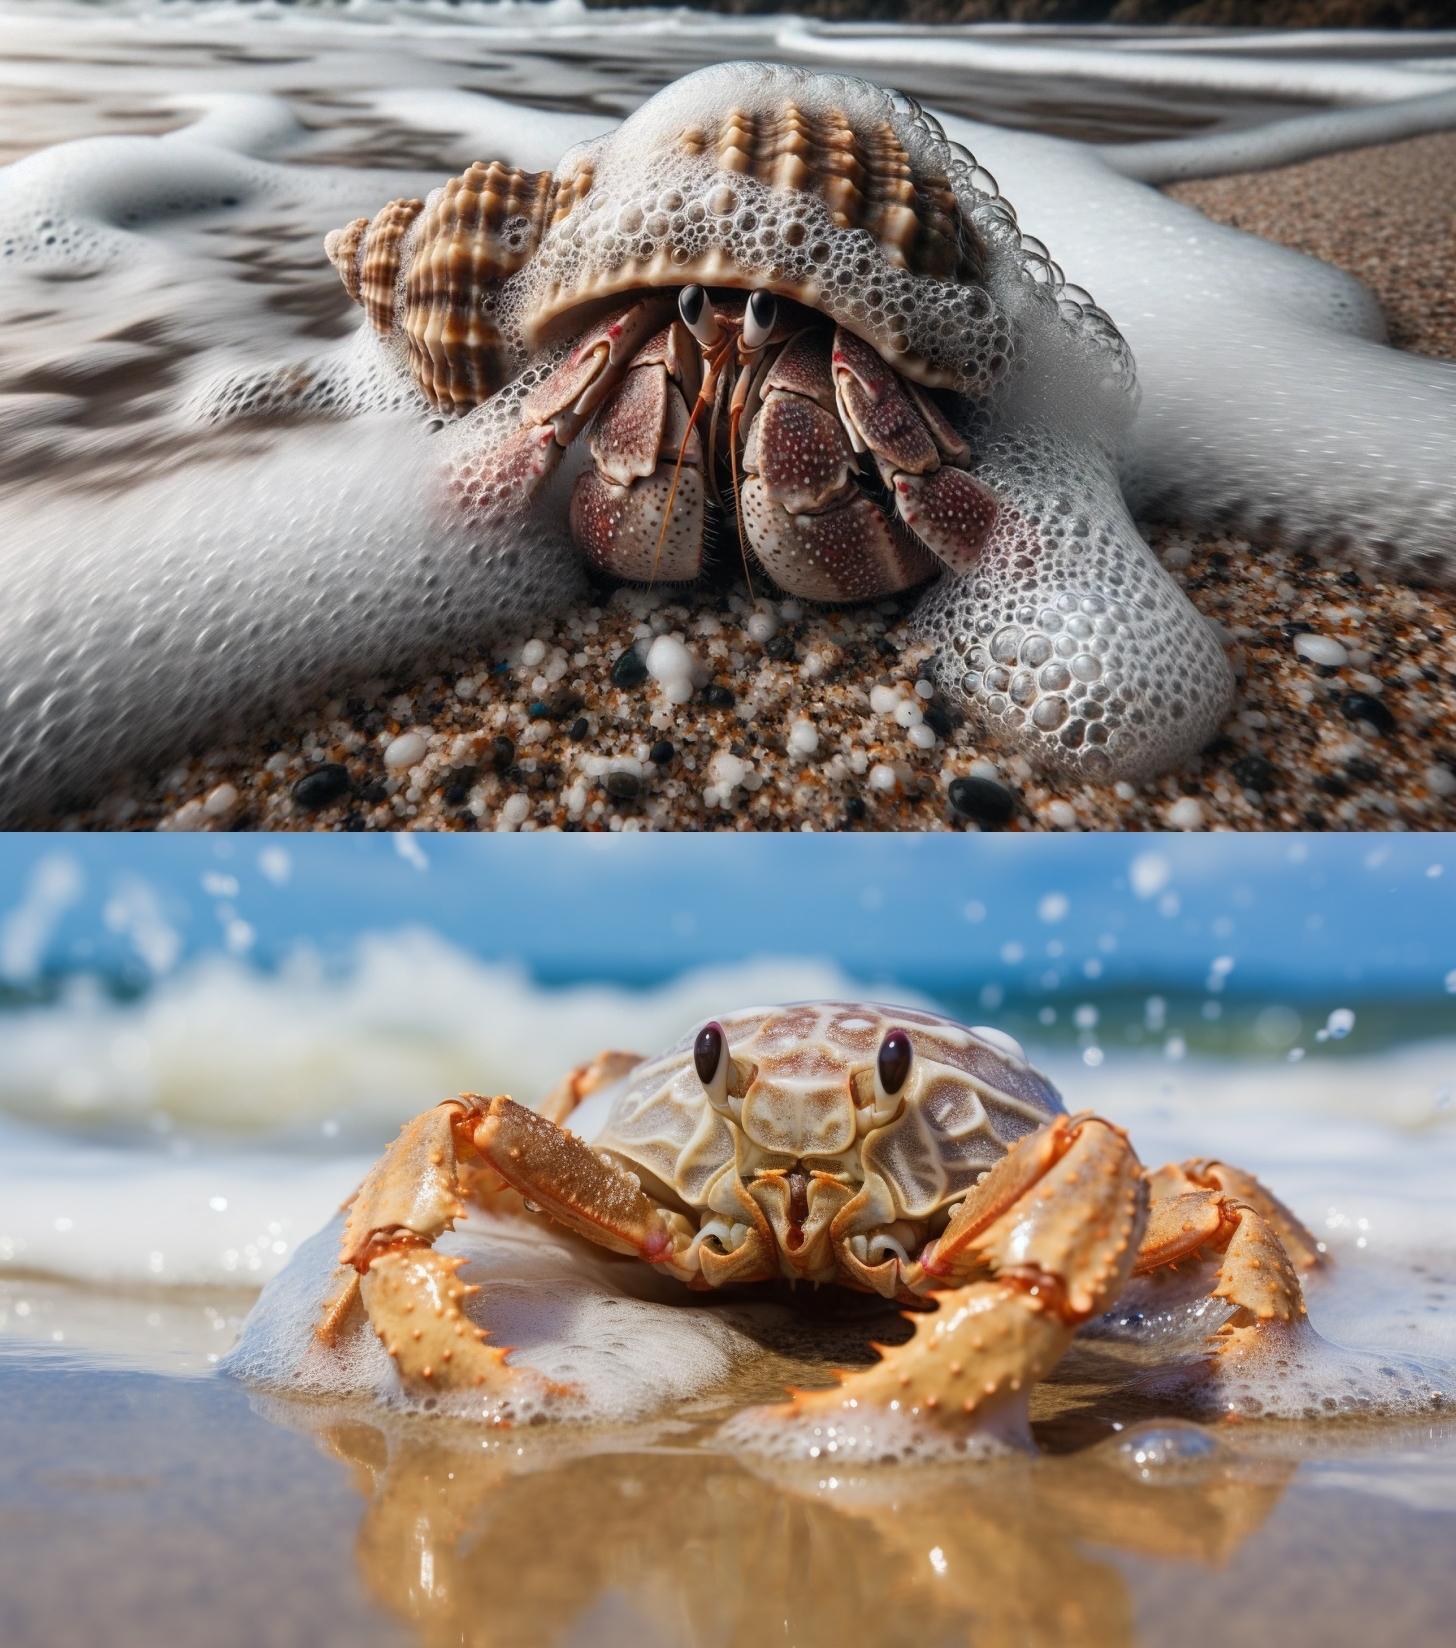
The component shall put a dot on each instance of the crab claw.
(816, 533)
(647, 471)
(514, 466)
(919, 454)
(1056, 1224)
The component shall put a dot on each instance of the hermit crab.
(780, 315)
(876, 1148)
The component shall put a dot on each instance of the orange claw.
(1056, 1223)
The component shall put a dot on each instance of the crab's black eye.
(697, 315)
(759, 319)
(893, 1064)
(708, 1051)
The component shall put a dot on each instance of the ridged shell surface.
(970, 1095)
(821, 188)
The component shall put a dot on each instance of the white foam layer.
(624, 1339)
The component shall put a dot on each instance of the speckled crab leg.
(419, 1188)
(1202, 1173)
(1256, 1272)
(1056, 1223)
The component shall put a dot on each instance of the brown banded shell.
(472, 234)
(826, 191)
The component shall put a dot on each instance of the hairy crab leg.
(810, 524)
(1056, 1228)
(919, 455)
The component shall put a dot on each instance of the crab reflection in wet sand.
(783, 313)
(452, 1535)
(881, 1149)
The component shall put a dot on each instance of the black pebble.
(780, 648)
(982, 799)
(1362, 706)
(661, 753)
(502, 753)
(718, 697)
(373, 793)
(855, 809)
(578, 729)
(630, 669)
(623, 786)
(1254, 773)
(938, 720)
(321, 786)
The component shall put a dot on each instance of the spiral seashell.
(825, 190)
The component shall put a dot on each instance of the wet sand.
(552, 730)
(139, 1506)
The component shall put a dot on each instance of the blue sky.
(1308, 912)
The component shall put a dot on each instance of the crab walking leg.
(920, 457)
(815, 531)
(1255, 1273)
(1200, 1173)
(1056, 1224)
(638, 513)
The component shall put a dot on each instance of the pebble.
(405, 751)
(623, 785)
(719, 697)
(982, 800)
(1363, 706)
(661, 753)
(1440, 780)
(675, 669)
(1321, 649)
(803, 739)
(321, 786)
(630, 669)
(1186, 814)
(221, 800)
(1254, 772)
(502, 753)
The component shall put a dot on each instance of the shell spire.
(431, 270)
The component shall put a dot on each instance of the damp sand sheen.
(150, 1491)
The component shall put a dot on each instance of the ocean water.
(174, 168)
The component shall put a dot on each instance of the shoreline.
(806, 718)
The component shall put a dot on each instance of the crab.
(788, 424)
(883, 1149)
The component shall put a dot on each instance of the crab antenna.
(733, 420)
(709, 386)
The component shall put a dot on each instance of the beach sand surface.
(140, 1506)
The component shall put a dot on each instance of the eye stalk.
(880, 1097)
(698, 315)
(725, 1079)
(759, 319)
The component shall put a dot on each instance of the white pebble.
(762, 626)
(803, 739)
(1062, 814)
(1320, 649)
(1440, 780)
(220, 800)
(514, 809)
(1186, 814)
(884, 700)
(728, 771)
(405, 750)
(532, 654)
(882, 777)
(676, 670)
(922, 737)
